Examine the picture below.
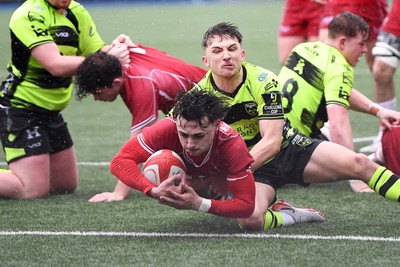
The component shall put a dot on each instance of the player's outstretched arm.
(361, 103)
(121, 192)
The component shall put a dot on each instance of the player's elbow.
(115, 166)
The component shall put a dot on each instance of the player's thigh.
(332, 162)
(64, 171)
(34, 174)
(382, 71)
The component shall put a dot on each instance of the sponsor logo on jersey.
(272, 84)
(250, 129)
(262, 76)
(348, 78)
(62, 34)
(40, 32)
(91, 32)
(35, 17)
(343, 94)
(299, 68)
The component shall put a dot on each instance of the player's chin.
(194, 153)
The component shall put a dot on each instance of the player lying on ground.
(216, 159)
(214, 155)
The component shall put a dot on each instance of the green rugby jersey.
(258, 97)
(314, 75)
(29, 85)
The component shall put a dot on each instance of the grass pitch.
(362, 229)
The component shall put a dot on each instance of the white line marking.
(201, 235)
(83, 163)
(363, 139)
(103, 163)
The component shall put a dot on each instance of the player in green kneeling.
(317, 84)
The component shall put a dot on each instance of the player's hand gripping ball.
(163, 164)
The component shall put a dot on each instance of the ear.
(205, 61)
(216, 123)
(243, 55)
(118, 82)
(342, 42)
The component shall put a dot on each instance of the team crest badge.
(302, 140)
(251, 109)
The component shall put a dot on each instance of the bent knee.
(362, 164)
(64, 189)
(33, 193)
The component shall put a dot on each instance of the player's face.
(106, 94)
(224, 56)
(195, 139)
(60, 4)
(354, 48)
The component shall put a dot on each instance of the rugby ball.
(163, 164)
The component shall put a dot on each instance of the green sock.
(386, 184)
(273, 219)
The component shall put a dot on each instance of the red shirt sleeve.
(124, 166)
(243, 198)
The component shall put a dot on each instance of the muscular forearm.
(263, 151)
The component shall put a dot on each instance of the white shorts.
(387, 49)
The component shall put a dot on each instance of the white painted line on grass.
(201, 235)
(103, 163)
(83, 163)
(363, 139)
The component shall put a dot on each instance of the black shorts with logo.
(288, 165)
(26, 133)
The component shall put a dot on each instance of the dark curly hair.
(197, 104)
(97, 70)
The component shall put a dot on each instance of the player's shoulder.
(257, 73)
(165, 127)
(226, 132)
(321, 54)
(76, 6)
(34, 10)
(79, 11)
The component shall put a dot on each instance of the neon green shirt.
(29, 85)
(258, 97)
(314, 76)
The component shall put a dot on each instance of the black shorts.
(288, 166)
(26, 133)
